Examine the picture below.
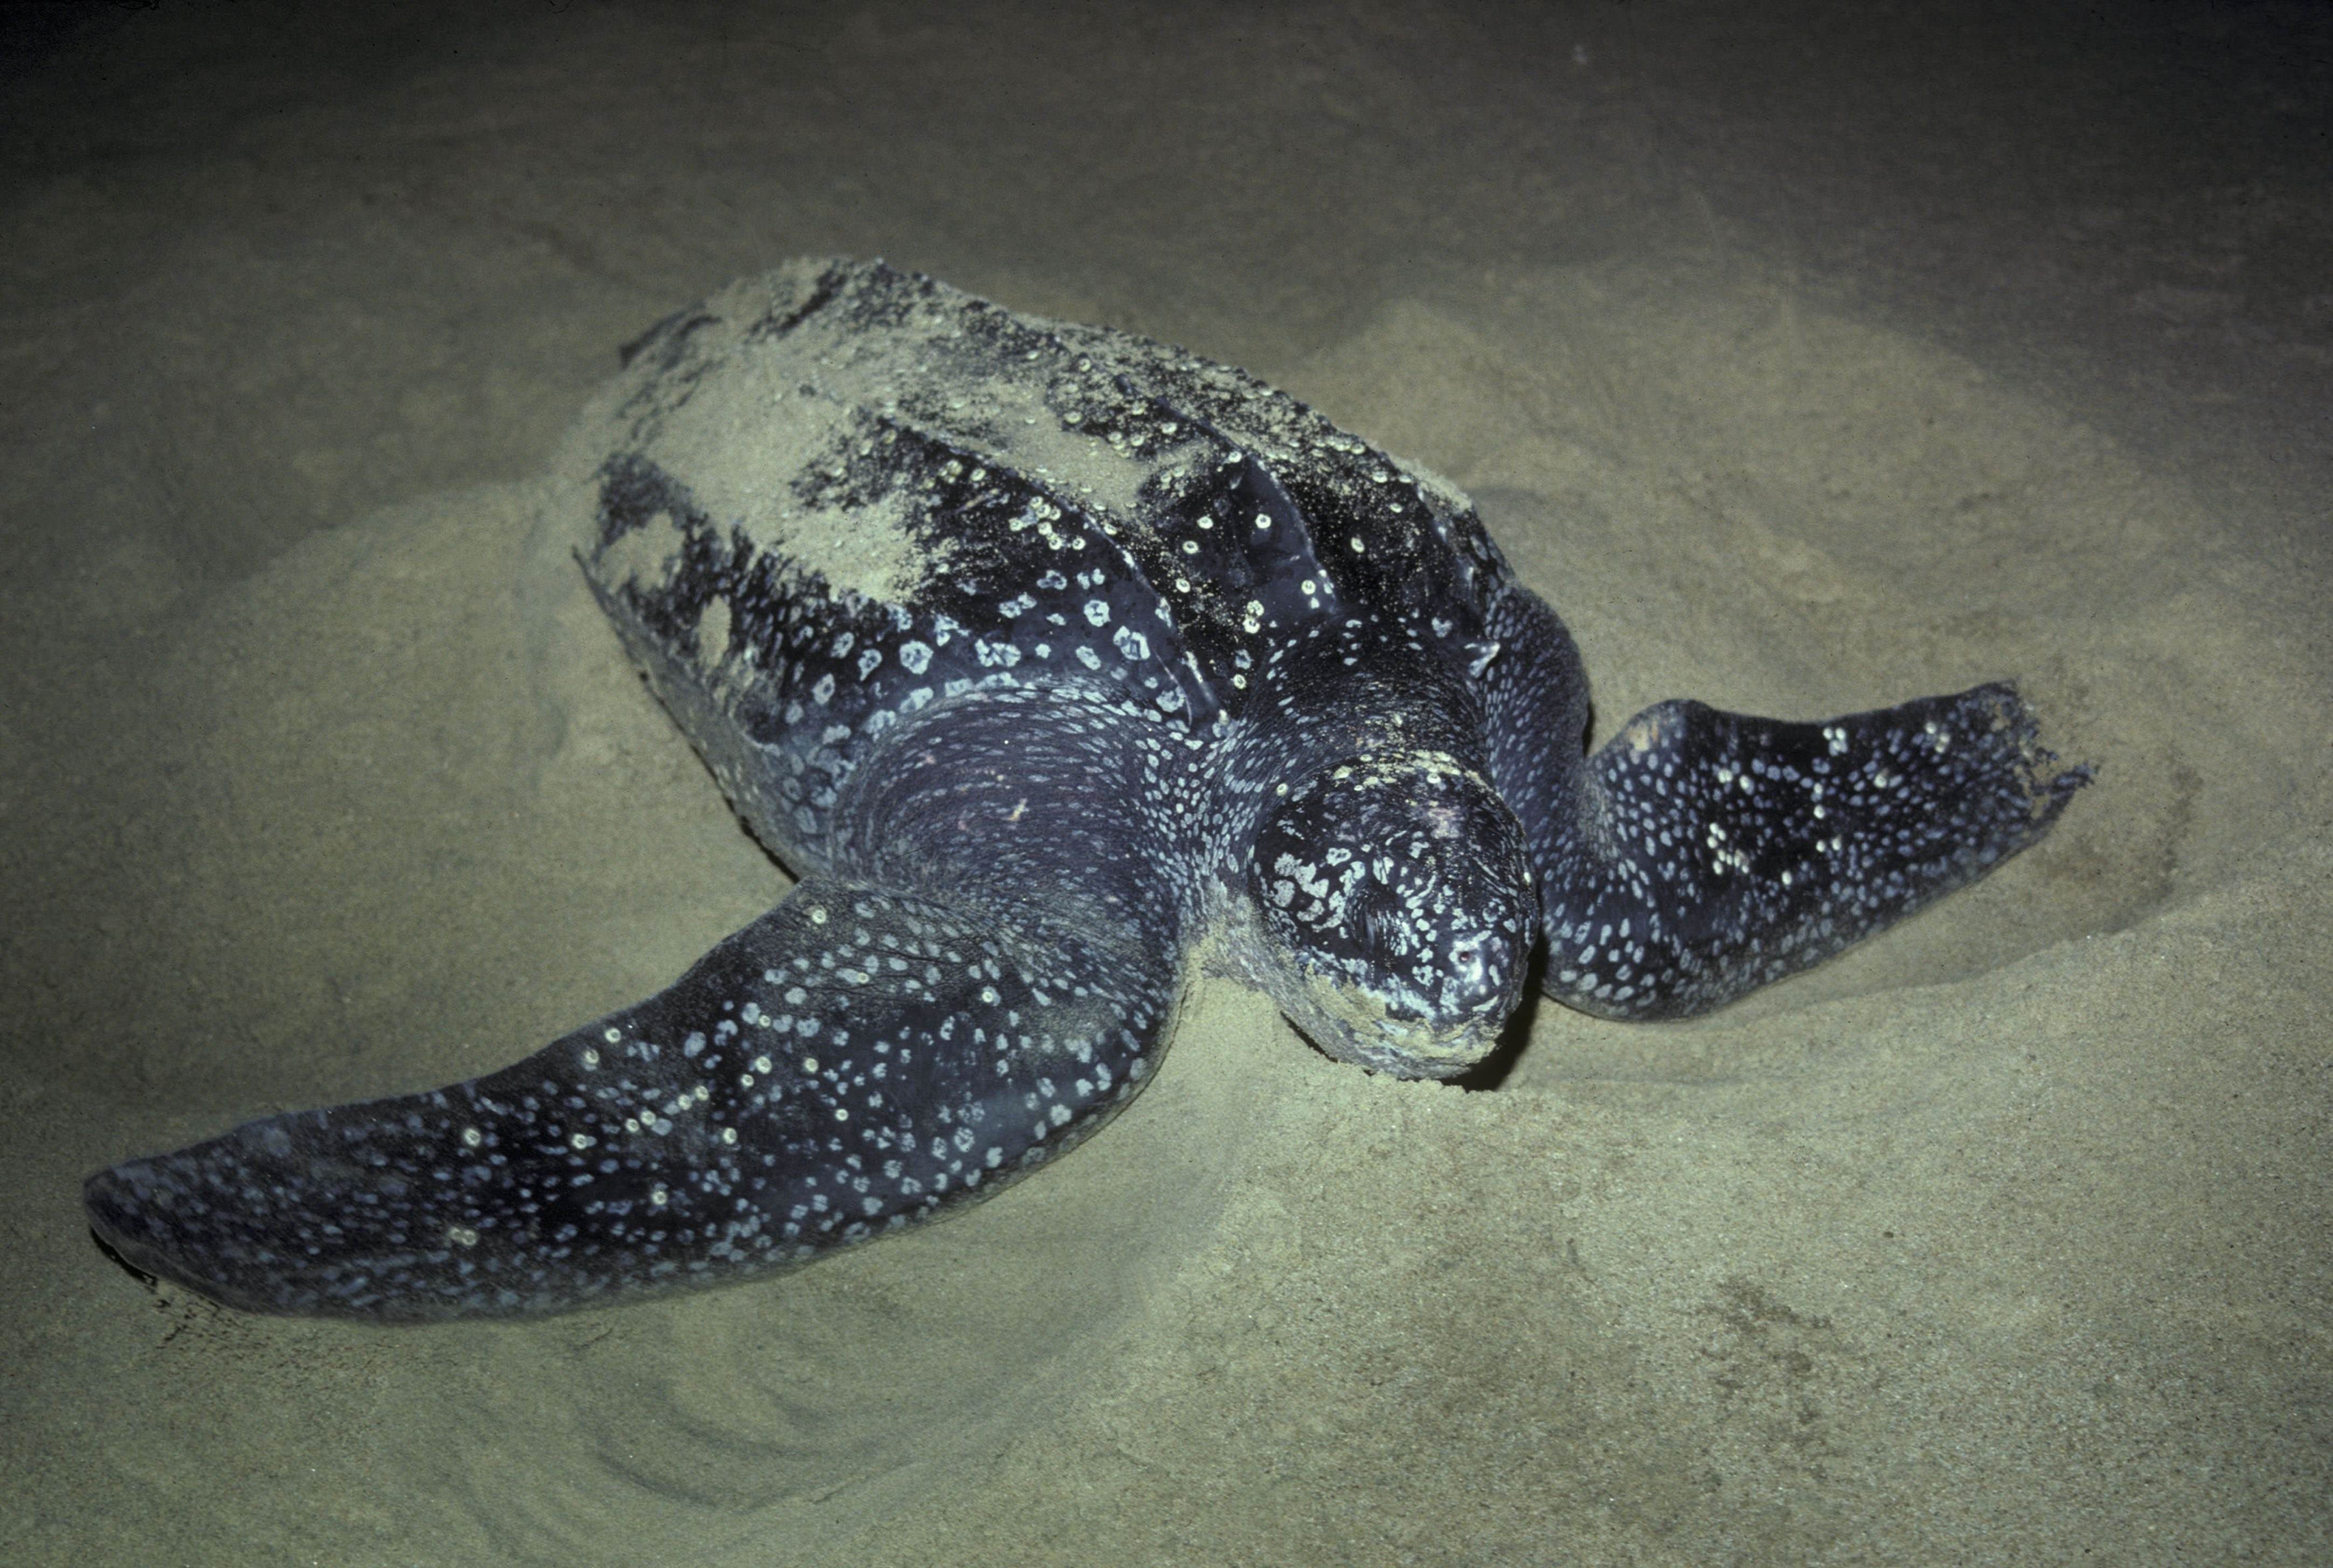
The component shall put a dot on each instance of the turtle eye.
(1466, 965)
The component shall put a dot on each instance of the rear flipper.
(1716, 853)
(853, 1060)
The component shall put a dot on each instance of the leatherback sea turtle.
(1038, 652)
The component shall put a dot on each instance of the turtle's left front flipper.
(1713, 852)
(858, 1058)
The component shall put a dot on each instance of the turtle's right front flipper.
(853, 1060)
(1711, 852)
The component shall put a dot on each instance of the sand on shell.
(2002, 1239)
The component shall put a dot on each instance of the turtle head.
(1395, 906)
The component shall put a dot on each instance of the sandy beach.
(1806, 358)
